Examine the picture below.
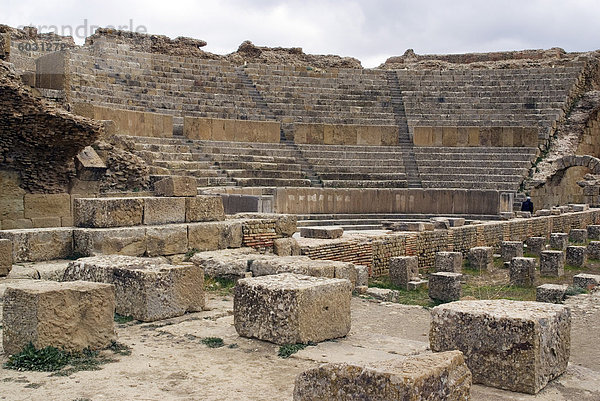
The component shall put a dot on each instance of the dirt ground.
(169, 361)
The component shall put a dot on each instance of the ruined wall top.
(161, 44)
(508, 59)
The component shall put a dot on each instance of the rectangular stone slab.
(204, 208)
(433, 377)
(71, 316)
(108, 212)
(290, 308)
(321, 232)
(512, 345)
(35, 245)
(145, 288)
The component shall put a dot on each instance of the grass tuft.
(287, 350)
(120, 319)
(62, 363)
(213, 342)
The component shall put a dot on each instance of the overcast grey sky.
(371, 31)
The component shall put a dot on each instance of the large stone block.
(535, 245)
(511, 249)
(403, 269)
(6, 256)
(593, 250)
(481, 258)
(551, 293)
(552, 263)
(286, 247)
(445, 286)
(211, 236)
(170, 239)
(226, 263)
(164, 210)
(108, 212)
(46, 205)
(34, 245)
(578, 236)
(586, 281)
(448, 262)
(204, 208)
(176, 186)
(522, 271)
(71, 316)
(593, 232)
(512, 345)
(324, 232)
(130, 241)
(268, 265)
(442, 376)
(576, 256)
(559, 241)
(145, 289)
(290, 308)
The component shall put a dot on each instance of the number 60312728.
(41, 47)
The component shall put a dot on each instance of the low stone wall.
(476, 136)
(217, 129)
(377, 251)
(371, 200)
(129, 122)
(342, 134)
(19, 209)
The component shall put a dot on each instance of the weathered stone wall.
(431, 201)
(340, 134)
(26, 45)
(376, 252)
(476, 136)
(129, 122)
(217, 129)
(37, 139)
(514, 59)
(148, 43)
(560, 189)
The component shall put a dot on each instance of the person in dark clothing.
(527, 206)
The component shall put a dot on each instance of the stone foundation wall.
(361, 253)
(376, 253)
(476, 136)
(217, 129)
(339, 134)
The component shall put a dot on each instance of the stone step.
(324, 169)
(271, 182)
(500, 186)
(259, 166)
(365, 184)
(265, 174)
(363, 176)
(219, 158)
(317, 162)
(182, 164)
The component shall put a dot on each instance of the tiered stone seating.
(470, 167)
(178, 157)
(256, 164)
(111, 75)
(356, 166)
(487, 97)
(344, 96)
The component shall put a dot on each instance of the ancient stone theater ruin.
(275, 225)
